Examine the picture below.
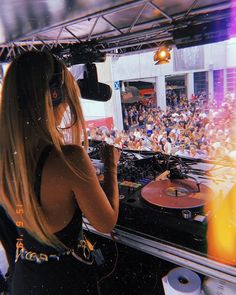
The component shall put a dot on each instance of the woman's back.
(53, 191)
(61, 274)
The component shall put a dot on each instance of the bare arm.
(110, 188)
(99, 206)
(110, 157)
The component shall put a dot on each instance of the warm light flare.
(221, 232)
(162, 55)
(221, 229)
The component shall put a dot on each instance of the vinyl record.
(176, 194)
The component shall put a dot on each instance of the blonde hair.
(27, 116)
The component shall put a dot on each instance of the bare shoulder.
(72, 148)
(78, 157)
(71, 153)
(74, 152)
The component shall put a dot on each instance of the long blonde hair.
(27, 116)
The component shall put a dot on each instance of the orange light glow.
(221, 232)
(162, 53)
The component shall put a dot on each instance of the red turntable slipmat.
(176, 194)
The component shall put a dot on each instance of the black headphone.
(56, 83)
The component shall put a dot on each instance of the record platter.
(176, 194)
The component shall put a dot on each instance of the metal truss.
(136, 36)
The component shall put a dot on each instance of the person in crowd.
(149, 128)
(141, 121)
(167, 145)
(137, 133)
(46, 185)
(126, 125)
(203, 151)
(182, 152)
(118, 142)
(99, 135)
(108, 138)
(146, 143)
(193, 151)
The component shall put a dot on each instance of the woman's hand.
(110, 156)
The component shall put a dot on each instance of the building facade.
(210, 68)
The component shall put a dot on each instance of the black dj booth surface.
(136, 272)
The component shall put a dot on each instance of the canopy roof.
(118, 26)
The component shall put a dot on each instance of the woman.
(47, 185)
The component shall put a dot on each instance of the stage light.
(162, 55)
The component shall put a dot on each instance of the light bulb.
(162, 53)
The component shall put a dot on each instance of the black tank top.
(69, 234)
(55, 277)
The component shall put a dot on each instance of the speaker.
(201, 34)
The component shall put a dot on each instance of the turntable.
(161, 196)
(171, 209)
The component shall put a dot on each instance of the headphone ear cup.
(56, 94)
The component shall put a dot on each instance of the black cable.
(113, 269)
(115, 264)
(182, 169)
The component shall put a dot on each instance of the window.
(218, 80)
(231, 80)
(200, 82)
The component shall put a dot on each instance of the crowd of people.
(200, 128)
